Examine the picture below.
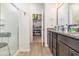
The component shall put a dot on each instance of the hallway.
(36, 49)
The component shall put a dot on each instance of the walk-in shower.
(8, 29)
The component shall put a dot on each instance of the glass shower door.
(9, 17)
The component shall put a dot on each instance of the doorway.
(37, 28)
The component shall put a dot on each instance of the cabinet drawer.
(73, 53)
(63, 49)
(73, 43)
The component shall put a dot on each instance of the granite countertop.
(68, 34)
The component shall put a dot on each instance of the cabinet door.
(73, 53)
(54, 44)
(49, 40)
(54, 52)
(54, 40)
(63, 50)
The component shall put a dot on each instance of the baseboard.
(21, 50)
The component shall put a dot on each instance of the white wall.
(36, 7)
(50, 18)
(24, 26)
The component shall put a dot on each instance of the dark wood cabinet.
(67, 46)
(73, 53)
(61, 44)
(54, 35)
(66, 51)
(49, 40)
(63, 49)
(52, 42)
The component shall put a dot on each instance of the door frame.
(43, 40)
(42, 30)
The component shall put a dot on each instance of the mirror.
(63, 15)
(74, 13)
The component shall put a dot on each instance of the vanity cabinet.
(63, 49)
(67, 46)
(54, 36)
(49, 40)
(52, 41)
(66, 51)
(73, 53)
(62, 44)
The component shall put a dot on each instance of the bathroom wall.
(63, 15)
(36, 7)
(49, 18)
(9, 17)
(25, 23)
(24, 26)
